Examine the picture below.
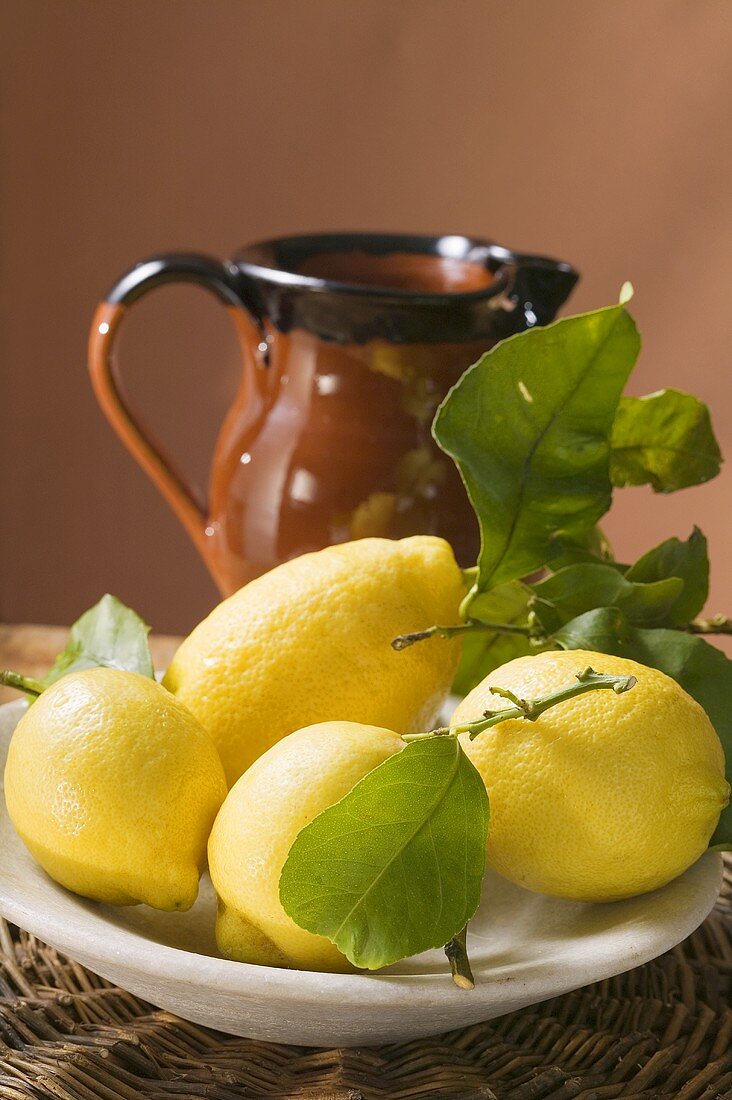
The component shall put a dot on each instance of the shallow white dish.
(524, 948)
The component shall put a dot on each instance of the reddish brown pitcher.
(349, 341)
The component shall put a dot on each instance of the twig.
(457, 956)
(472, 625)
(587, 680)
(718, 624)
(21, 683)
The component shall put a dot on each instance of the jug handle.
(191, 267)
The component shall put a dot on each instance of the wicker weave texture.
(661, 1030)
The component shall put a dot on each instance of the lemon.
(114, 786)
(604, 796)
(278, 796)
(310, 642)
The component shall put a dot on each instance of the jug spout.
(540, 287)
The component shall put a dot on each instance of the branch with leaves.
(542, 434)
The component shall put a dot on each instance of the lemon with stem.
(599, 798)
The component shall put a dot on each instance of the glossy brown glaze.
(332, 442)
(157, 466)
(349, 343)
(399, 271)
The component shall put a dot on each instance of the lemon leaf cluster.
(541, 433)
(578, 588)
(667, 587)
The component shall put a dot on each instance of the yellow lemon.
(114, 786)
(605, 795)
(310, 642)
(278, 796)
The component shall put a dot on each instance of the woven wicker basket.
(661, 1030)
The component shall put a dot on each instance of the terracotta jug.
(349, 342)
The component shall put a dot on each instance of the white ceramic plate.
(524, 948)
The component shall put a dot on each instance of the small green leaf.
(579, 588)
(592, 545)
(109, 635)
(529, 428)
(396, 866)
(664, 440)
(674, 558)
(701, 670)
(600, 630)
(483, 651)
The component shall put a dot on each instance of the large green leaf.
(664, 440)
(674, 558)
(396, 866)
(109, 635)
(485, 650)
(701, 670)
(579, 588)
(528, 426)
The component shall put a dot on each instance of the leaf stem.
(457, 956)
(405, 640)
(21, 683)
(531, 709)
(718, 624)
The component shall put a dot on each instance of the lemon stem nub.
(587, 680)
(21, 683)
(457, 956)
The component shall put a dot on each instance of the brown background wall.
(597, 130)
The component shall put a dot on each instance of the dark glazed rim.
(270, 261)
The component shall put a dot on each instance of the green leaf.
(528, 426)
(701, 670)
(599, 630)
(579, 588)
(109, 635)
(396, 866)
(591, 545)
(674, 558)
(483, 651)
(664, 440)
